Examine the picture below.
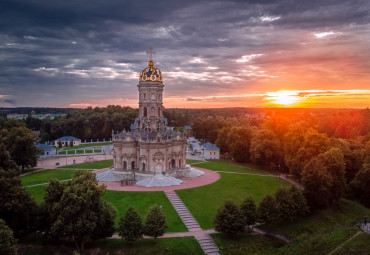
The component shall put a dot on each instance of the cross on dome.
(151, 52)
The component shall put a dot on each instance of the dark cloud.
(68, 52)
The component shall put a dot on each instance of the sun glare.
(283, 97)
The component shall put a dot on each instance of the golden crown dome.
(151, 73)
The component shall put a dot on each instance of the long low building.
(65, 141)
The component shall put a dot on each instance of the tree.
(265, 148)
(130, 226)
(317, 183)
(75, 210)
(300, 207)
(284, 204)
(7, 240)
(71, 143)
(267, 210)
(6, 162)
(20, 142)
(228, 219)
(16, 204)
(155, 224)
(361, 185)
(238, 141)
(248, 210)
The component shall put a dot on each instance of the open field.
(46, 175)
(92, 165)
(162, 246)
(142, 201)
(247, 244)
(341, 215)
(204, 201)
(228, 166)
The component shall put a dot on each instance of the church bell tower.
(150, 98)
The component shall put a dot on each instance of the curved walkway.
(208, 178)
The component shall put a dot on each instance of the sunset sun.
(283, 97)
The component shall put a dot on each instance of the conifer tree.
(249, 212)
(228, 219)
(267, 209)
(7, 240)
(130, 226)
(155, 224)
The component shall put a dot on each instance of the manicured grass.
(37, 193)
(342, 214)
(204, 201)
(170, 246)
(142, 201)
(92, 165)
(46, 175)
(192, 161)
(228, 166)
(247, 244)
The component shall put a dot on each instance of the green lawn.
(228, 166)
(46, 175)
(37, 193)
(92, 165)
(204, 201)
(142, 201)
(192, 161)
(247, 244)
(341, 215)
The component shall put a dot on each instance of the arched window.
(143, 166)
(132, 164)
(159, 112)
(124, 165)
(144, 96)
(145, 112)
(179, 162)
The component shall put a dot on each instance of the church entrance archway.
(158, 169)
(173, 164)
(132, 164)
(143, 167)
(124, 165)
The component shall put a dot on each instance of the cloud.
(63, 53)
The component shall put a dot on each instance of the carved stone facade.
(150, 147)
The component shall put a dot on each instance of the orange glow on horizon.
(284, 97)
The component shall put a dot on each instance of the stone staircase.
(207, 244)
(205, 241)
(185, 215)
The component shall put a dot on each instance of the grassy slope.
(142, 201)
(204, 201)
(37, 193)
(358, 245)
(334, 217)
(92, 165)
(246, 244)
(229, 166)
(46, 175)
(168, 246)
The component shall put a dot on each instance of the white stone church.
(150, 148)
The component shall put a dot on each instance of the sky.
(248, 53)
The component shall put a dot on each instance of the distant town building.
(47, 151)
(189, 131)
(66, 141)
(16, 116)
(211, 151)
